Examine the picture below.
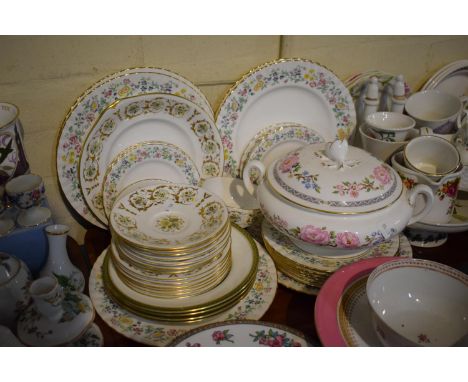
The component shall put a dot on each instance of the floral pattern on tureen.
(87, 109)
(283, 73)
(154, 333)
(316, 179)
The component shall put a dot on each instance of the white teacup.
(242, 206)
(434, 109)
(432, 156)
(390, 126)
(379, 148)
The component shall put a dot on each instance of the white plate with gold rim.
(295, 90)
(87, 108)
(452, 79)
(276, 141)
(147, 117)
(133, 164)
(253, 306)
(245, 333)
(244, 262)
(284, 247)
(168, 216)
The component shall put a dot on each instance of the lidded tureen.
(334, 199)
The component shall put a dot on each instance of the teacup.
(432, 156)
(418, 303)
(243, 208)
(445, 190)
(434, 109)
(390, 126)
(27, 192)
(379, 148)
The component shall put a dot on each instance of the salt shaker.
(398, 98)
(372, 98)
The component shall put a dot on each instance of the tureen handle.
(429, 199)
(257, 165)
(337, 151)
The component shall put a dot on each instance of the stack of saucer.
(171, 251)
(310, 269)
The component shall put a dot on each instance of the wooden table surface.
(288, 308)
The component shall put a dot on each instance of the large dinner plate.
(146, 117)
(293, 90)
(243, 333)
(452, 79)
(90, 105)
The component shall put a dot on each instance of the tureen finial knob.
(337, 151)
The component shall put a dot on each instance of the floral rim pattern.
(151, 332)
(135, 155)
(86, 110)
(284, 72)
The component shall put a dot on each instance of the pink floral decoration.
(218, 336)
(382, 174)
(314, 235)
(289, 162)
(347, 240)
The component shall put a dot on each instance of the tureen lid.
(335, 178)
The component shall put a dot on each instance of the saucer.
(242, 333)
(33, 217)
(34, 329)
(342, 314)
(91, 338)
(253, 306)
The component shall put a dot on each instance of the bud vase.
(58, 263)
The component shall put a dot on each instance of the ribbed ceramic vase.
(58, 263)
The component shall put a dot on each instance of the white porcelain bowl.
(390, 126)
(434, 109)
(418, 303)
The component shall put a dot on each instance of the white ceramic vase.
(58, 263)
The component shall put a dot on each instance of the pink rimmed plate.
(329, 299)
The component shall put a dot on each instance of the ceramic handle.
(429, 200)
(463, 111)
(260, 167)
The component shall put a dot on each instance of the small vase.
(58, 263)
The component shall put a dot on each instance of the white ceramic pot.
(331, 199)
(418, 303)
(445, 190)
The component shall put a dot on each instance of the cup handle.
(463, 111)
(429, 199)
(246, 175)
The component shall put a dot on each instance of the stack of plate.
(171, 248)
(313, 270)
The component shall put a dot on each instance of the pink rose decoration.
(218, 336)
(314, 235)
(382, 175)
(354, 190)
(289, 162)
(347, 240)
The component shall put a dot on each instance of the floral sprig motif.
(273, 338)
(380, 175)
(292, 166)
(224, 335)
(448, 189)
